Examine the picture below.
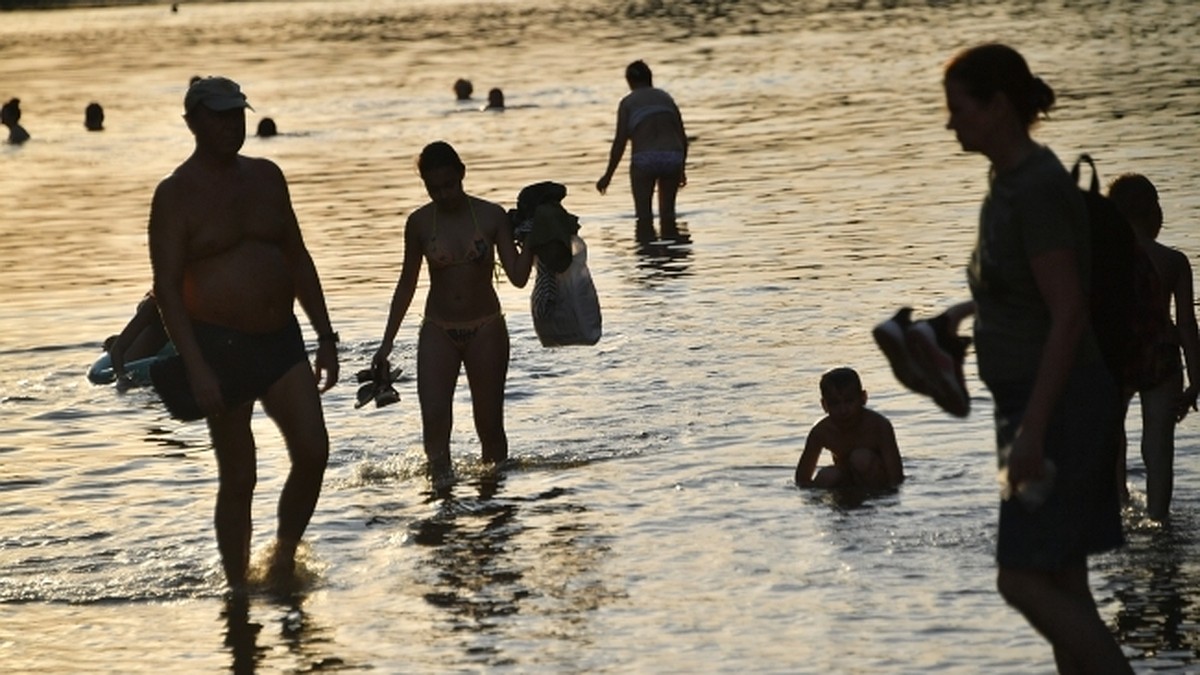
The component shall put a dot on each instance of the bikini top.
(440, 255)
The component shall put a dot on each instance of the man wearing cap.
(229, 262)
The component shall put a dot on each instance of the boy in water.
(862, 441)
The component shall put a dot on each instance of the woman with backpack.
(1056, 404)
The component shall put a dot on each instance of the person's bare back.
(653, 120)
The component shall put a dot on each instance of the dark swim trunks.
(246, 364)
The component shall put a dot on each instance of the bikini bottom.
(461, 333)
(658, 163)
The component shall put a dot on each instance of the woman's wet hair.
(438, 155)
(639, 73)
(990, 69)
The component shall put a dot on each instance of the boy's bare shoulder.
(823, 429)
(877, 420)
(873, 414)
(823, 424)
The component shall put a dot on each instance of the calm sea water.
(650, 523)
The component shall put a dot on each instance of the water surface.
(649, 523)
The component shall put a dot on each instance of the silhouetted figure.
(649, 120)
(860, 440)
(10, 116)
(266, 128)
(235, 329)
(460, 237)
(93, 117)
(1163, 400)
(463, 89)
(1056, 406)
(495, 100)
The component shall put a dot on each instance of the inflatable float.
(137, 372)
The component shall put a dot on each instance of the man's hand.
(326, 362)
(206, 389)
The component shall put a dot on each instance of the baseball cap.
(215, 93)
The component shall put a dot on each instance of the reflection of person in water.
(1154, 585)
(301, 638)
(649, 120)
(658, 260)
(485, 556)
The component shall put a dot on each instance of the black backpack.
(1125, 298)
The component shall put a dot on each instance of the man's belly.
(248, 288)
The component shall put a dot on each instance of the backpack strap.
(1075, 170)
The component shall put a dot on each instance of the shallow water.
(649, 522)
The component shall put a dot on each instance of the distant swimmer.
(648, 118)
(10, 116)
(93, 117)
(266, 128)
(495, 100)
(463, 89)
(861, 441)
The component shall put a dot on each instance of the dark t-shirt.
(1030, 209)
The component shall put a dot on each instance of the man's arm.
(145, 317)
(168, 237)
(683, 142)
(308, 290)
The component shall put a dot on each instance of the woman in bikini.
(460, 237)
